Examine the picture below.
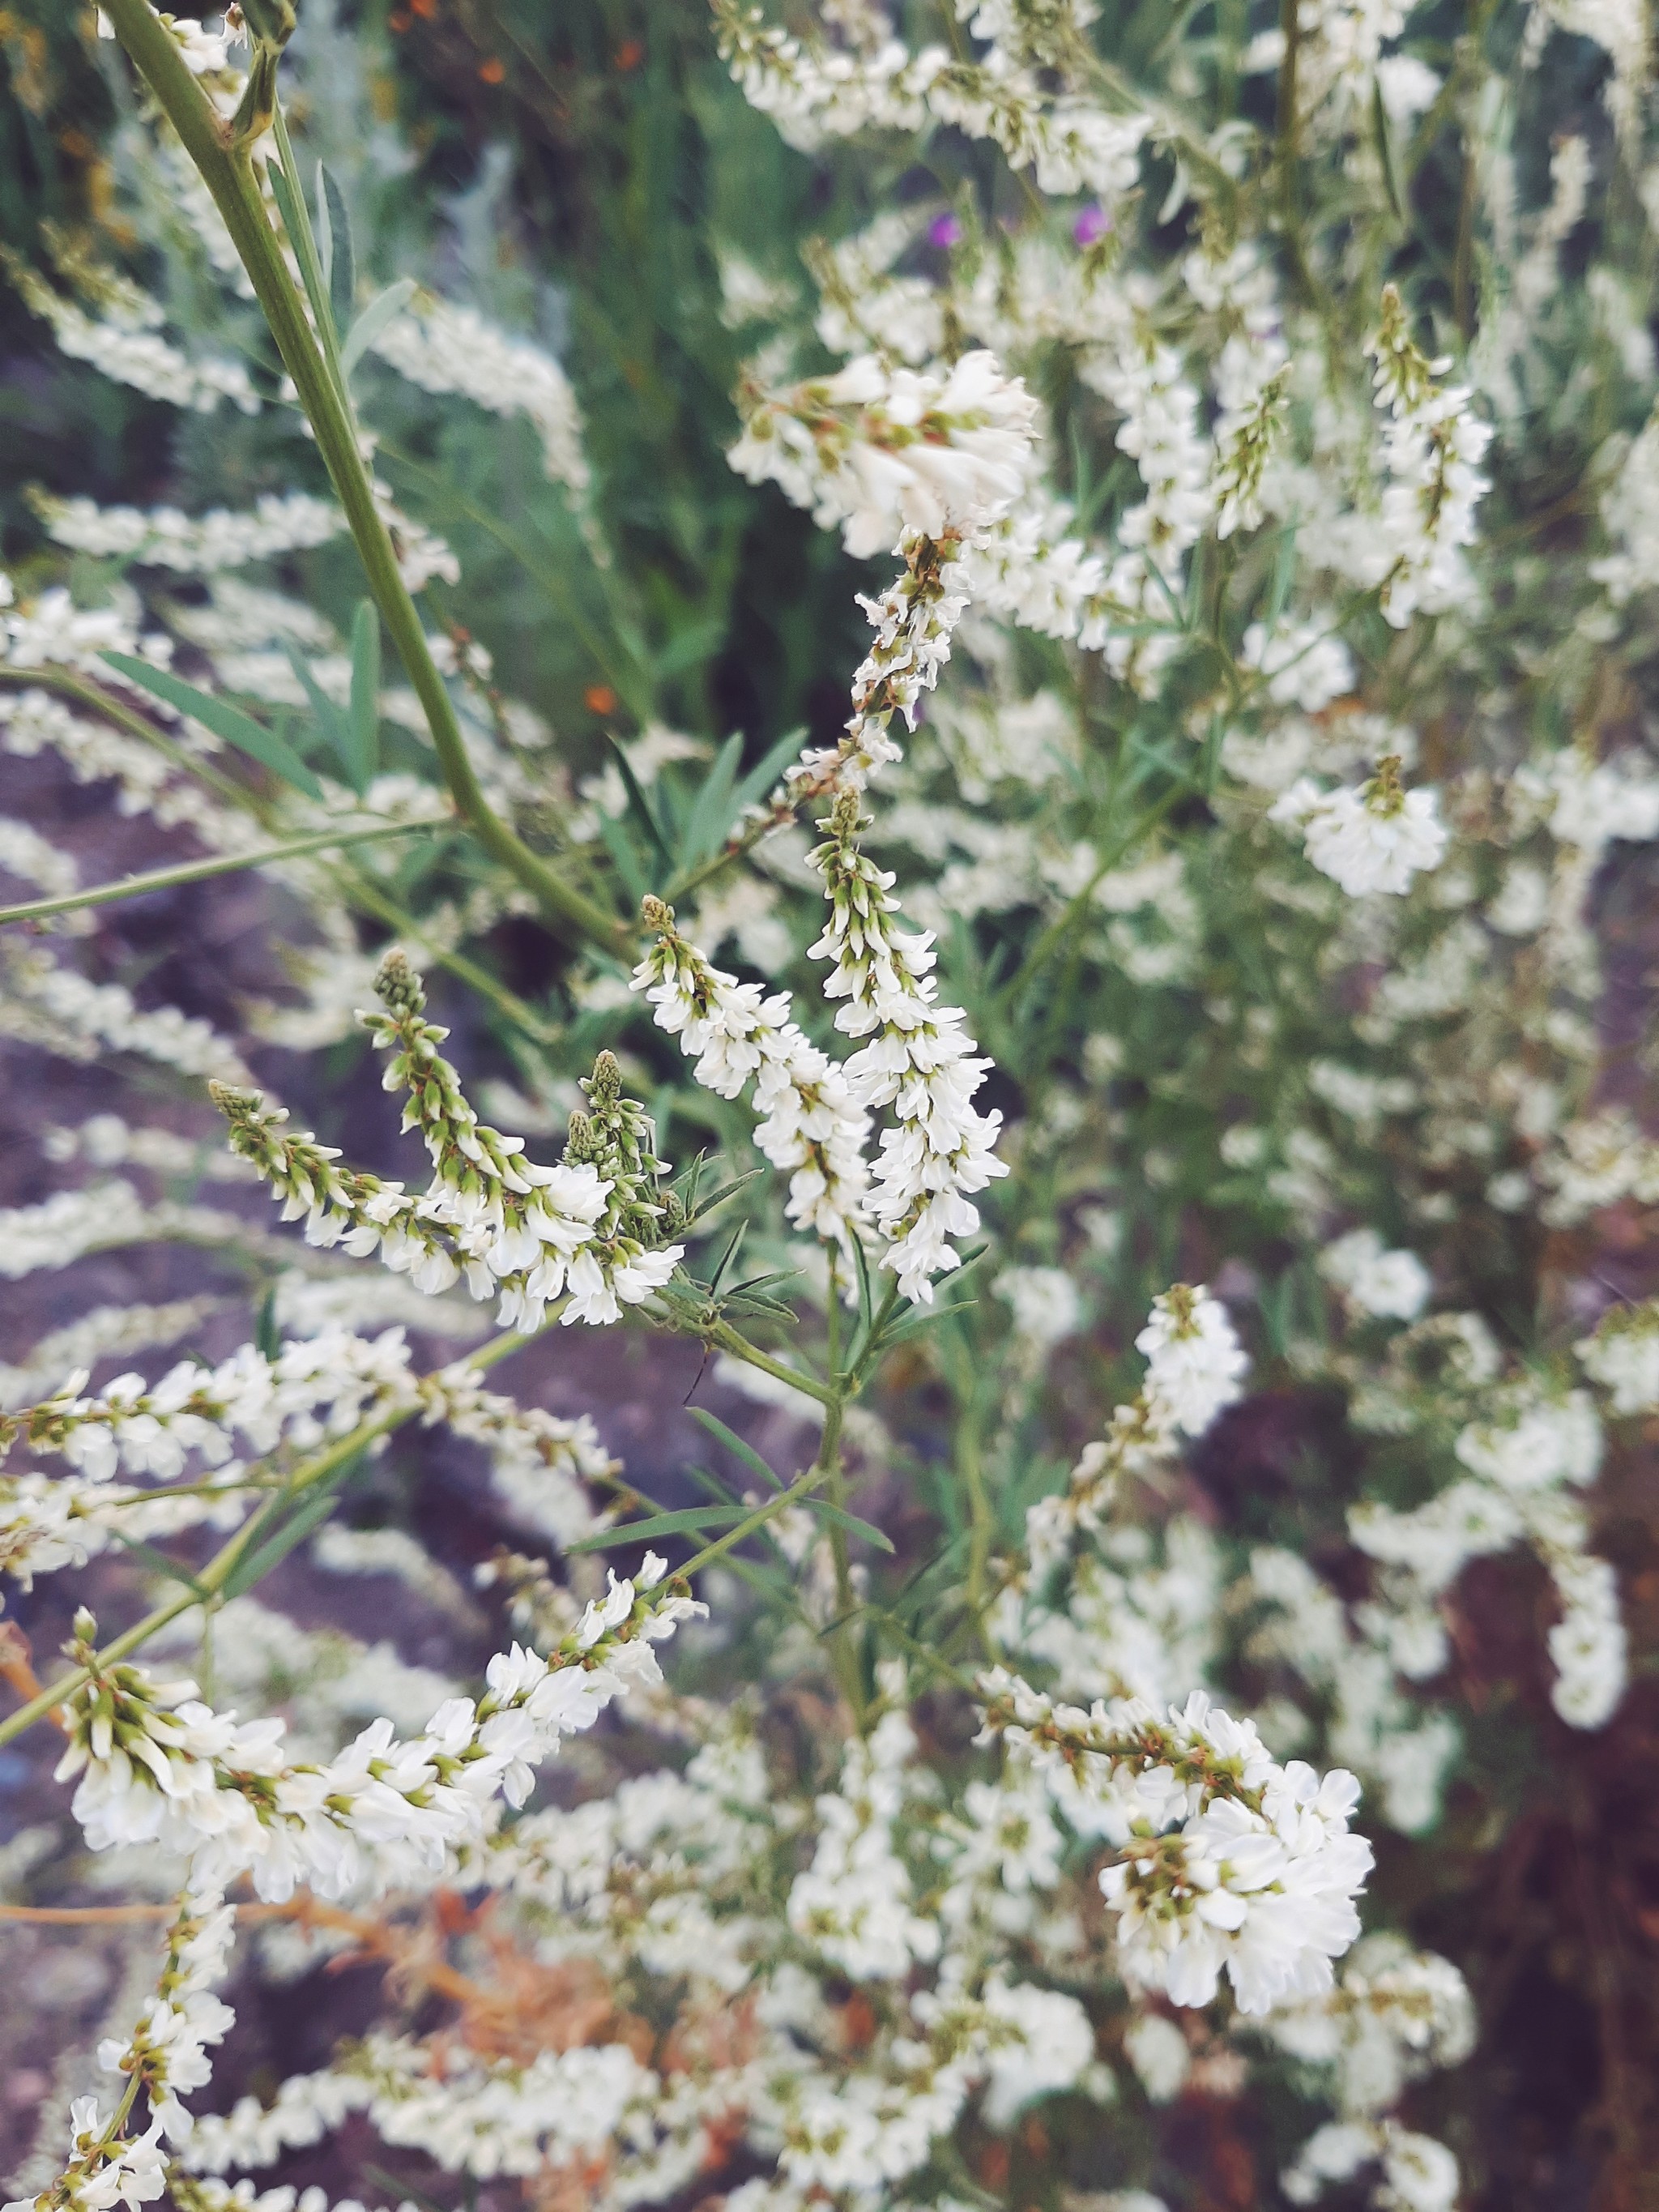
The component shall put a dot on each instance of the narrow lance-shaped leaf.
(340, 271)
(225, 721)
(362, 726)
(384, 307)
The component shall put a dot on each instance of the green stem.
(226, 168)
(838, 1477)
(363, 892)
(723, 1334)
(980, 1525)
(98, 701)
(1067, 920)
(195, 872)
(828, 1468)
(1289, 148)
(810, 1480)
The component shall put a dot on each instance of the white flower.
(919, 1058)
(1195, 1364)
(1536, 1441)
(1227, 1861)
(1375, 838)
(1157, 2050)
(1046, 1303)
(1623, 1356)
(1041, 2040)
(1389, 1286)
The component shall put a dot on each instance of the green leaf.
(870, 1532)
(159, 1563)
(267, 1337)
(735, 1444)
(319, 1503)
(638, 806)
(363, 726)
(755, 1304)
(726, 1257)
(339, 265)
(697, 1207)
(766, 770)
(1284, 577)
(613, 836)
(712, 811)
(867, 1290)
(329, 718)
(691, 1521)
(690, 649)
(384, 307)
(1385, 149)
(323, 230)
(225, 721)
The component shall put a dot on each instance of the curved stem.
(226, 168)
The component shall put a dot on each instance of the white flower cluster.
(879, 451)
(1195, 1365)
(166, 2057)
(1226, 1860)
(1365, 1665)
(106, 2167)
(525, 1234)
(156, 1764)
(810, 1126)
(1384, 1285)
(311, 1393)
(919, 1060)
(125, 345)
(193, 545)
(1394, 2013)
(1432, 447)
(812, 94)
(446, 348)
(1417, 2173)
(1521, 1463)
(1623, 1356)
(853, 1904)
(1369, 841)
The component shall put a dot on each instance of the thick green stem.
(837, 1478)
(226, 168)
(197, 872)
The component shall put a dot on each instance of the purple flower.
(945, 230)
(1092, 224)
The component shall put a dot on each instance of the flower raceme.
(1226, 1860)
(157, 1765)
(811, 1127)
(585, 1230)
(919, 1060)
